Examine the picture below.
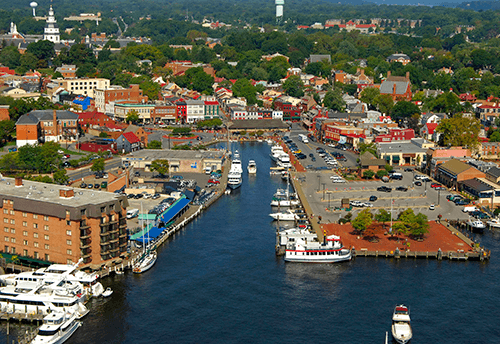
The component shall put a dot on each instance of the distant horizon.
(428, 3)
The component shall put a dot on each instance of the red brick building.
(180, 67)
(396, 134)
(91, 119)
(103, 97)
(4, 113)
(398, 87)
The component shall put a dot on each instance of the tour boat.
(252, 167)
(285, 216)
(108, 292)
(476, 225)
(401, 328)
(330, 250)
(495, 222)
(293, 234)
(57, 327)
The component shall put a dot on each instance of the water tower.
(279, 9)
(33, 5)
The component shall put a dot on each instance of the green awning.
(395, 158)
(388, 157)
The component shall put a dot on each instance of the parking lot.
(322, 193)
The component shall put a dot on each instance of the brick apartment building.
(92, 119)
(290, 112)
(46, 125)
(61, 225)
(103, 97)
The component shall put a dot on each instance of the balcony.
(104, 250)
(84, 225)
(86, 252)
(85, 233)
(104, 241)
(113, 239)
(84, 243)
(104, 233)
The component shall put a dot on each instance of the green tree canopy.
(363, 220)
(460, 131)
(155, 144)
(98, 165)
(333, 100)
(293, 86)
(160, 166)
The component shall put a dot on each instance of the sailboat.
(285, 201)
(147, 258)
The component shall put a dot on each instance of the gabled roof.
(27, 120)
(131, 137)
(494, 172)
(401, 85)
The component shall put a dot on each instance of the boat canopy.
(167, 216)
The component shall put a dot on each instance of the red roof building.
(396, 134)
(90, 119)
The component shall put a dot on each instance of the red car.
(213, 181)
(436, 185)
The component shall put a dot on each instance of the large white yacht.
(57, 327)
(234, 178)
(285, 216)
(56, 273)
(284, 161)
(330, 250)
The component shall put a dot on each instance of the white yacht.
(284, 161)
(476, 225)
(285, 216)
(57, 327)
(276, 151)
(53, 275)
(252, 167)
(330, 250)
(293, 234)
(18, 300)
(401, 328)
(287, 200)
(234, 178)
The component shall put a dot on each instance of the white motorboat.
(234, 179)
(476, 225)
(401, 327)
(330, 250)
(57, 327)
(108, 292)
(285, 216)
(495, 223)
(287, 200)
(252, 167)
(279, 202)
(284, 161)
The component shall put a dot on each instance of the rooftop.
(154, 154)
(400, 147)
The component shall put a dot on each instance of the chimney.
(66, 193)
(54, 119)
(388, 74)
(394, 88)
(408, 76)
(19, 182)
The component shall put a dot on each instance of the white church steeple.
(51, 31)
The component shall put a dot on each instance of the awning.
(147, 217)
(395, 158)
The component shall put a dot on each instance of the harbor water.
(219, 281)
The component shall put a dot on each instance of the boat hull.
(318, 259)
(493, 224)
(401, 339)
(60, 338)
(234, 185)
(146, 264)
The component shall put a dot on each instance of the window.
(6, 249)
(46, 237)
(83, 211)
(69, 261)
(35, 244)
(68, 251)
(35, 235)
(25, 214)
(46, 227)
(35, 216)
(68, 242)
(6, 220)
(13, 230)
(25, 233)
(103, 209)
(13, 250)
(6, 229)
(68, 232)
(25, 252)
(46, 218)
(68, 223)
(12, 212)
(35, 254)
(6, 238)
(13, 240)
(5, 211)
(35, 225)
(47, 246)
(47, 256)
(25, 242)
(25, 224)
(12, 221)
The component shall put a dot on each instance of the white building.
(83, 86)
(51, 30)
(195, 110)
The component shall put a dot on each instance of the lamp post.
(319, 182)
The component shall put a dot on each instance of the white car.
(356, 203)
(368, 204)
(432, 207)
(146, 196)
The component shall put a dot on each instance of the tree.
(368, 174)
(132, 116)
(243, 88)
(150, 89)
(420, 226)
(367, 147)
(43, 50)
(404, 109)
(60, 176)
(181, 131)
(460, 131)
(154, 144)
(368, 96)
(333, 100)
(383, 216)
(98, 165)
(495, 136)
(384, 103)
(7, 128)
(381, 173)
(160, 166)
(363, 220)
(103, 134)
(293, 86)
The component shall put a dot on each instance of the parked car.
(418, 183)
(408, 169)
(401, 188)
(356, 203)
(432, 207)
(155, 196)
(373, 198)
(213, 181)
(177, 177)
(147, 195)
(130, 196)
(66, 156)
(97, 186)
(90, 186)
(367, 204)
(384, 189)
(435, 185)
(462, 201)
(138, 196)
(83, 185)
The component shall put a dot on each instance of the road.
(85, 171)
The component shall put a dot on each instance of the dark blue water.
(219, 281)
